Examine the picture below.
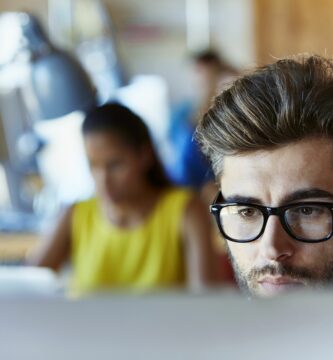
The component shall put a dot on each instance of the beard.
(312, 278)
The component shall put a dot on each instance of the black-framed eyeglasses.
(309, 222)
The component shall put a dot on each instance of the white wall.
(152, 37)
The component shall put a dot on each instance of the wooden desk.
(14, 246)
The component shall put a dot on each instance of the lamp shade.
(59, 85)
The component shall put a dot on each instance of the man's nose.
(275, 243)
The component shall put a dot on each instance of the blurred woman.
(138, 232)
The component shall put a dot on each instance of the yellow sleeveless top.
(149, 256)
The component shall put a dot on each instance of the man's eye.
(308, 211)
(313, 210)
(248, 212)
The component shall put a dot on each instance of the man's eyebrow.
(301, 194)
(241, 199)
(304, 194)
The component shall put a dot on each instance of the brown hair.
(277, 104)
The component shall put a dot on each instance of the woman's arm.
(53, 251)
(197, 234)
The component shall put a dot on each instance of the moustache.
(281, 270)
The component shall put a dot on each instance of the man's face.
(299, 172)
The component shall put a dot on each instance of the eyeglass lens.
(241, 222)
(310, 222)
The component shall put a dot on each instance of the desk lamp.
(58, 84)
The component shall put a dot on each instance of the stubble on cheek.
(318, 275)
(240, 274)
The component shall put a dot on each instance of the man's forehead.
(320, 148)
(273, 174)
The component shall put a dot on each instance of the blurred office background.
(134, 51)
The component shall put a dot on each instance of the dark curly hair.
(131, 129)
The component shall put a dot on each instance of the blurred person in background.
(270, 139)
(139, 232)
(190, 167)
(213, 75)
